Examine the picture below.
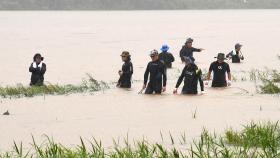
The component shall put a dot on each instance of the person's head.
(125, 56)
(221, 57)
(164, 48)
(188, 61)
(189, 42)
(154, 55)
(238, 47)
(38, 58)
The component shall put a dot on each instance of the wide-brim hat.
(221, 56)
(164, 48)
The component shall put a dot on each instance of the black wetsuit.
(219, 70)
(191, 75)
(188, 52)
(37, 77)
(157, 72)
(235, 57)
(125, 78)
(167, 58)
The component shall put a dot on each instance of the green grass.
(270, 80)
(256, 140)
(88, 85)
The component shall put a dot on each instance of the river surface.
(76, 43)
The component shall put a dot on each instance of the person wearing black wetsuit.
(166, 57)
(236, 56)
(157, 72)
(126, 72)
(220, 69)
(191, 75)
(187, 50)
(38, 69)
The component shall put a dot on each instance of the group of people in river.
(155, 77)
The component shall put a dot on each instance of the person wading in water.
(236, 56)
(166, 57)
(38, 69)
(191, 75)
(157, 72)
(187, 50)
(220, 69)
(126, 72)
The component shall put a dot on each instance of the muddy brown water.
(76, 43)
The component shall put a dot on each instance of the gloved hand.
(229, 83)
(34, 65)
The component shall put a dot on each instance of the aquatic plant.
(88, 85)
(255, 140)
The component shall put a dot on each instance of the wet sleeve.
(146, 75)
(43, 69)
(182, 52)
(32, 69)
(196, 50)
(229, 54)
(172, 59)
(211, 68)
(180, 79)
(164, 75)
(227, 68)
(200, 80)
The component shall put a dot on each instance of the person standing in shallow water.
(191, 75)
(38, 69)
(187, 50)
(166, 57)
(126, 72)
(220, 68)
(236, 56)
(157, 72)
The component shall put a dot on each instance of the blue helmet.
(164, 48)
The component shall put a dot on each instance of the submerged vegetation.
(256, 140)
(87, 85)
(270, 80)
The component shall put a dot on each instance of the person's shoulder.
(128, 62)
(44, 64)
(214, 62)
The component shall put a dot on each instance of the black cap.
(238, 45)
(189, 40)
